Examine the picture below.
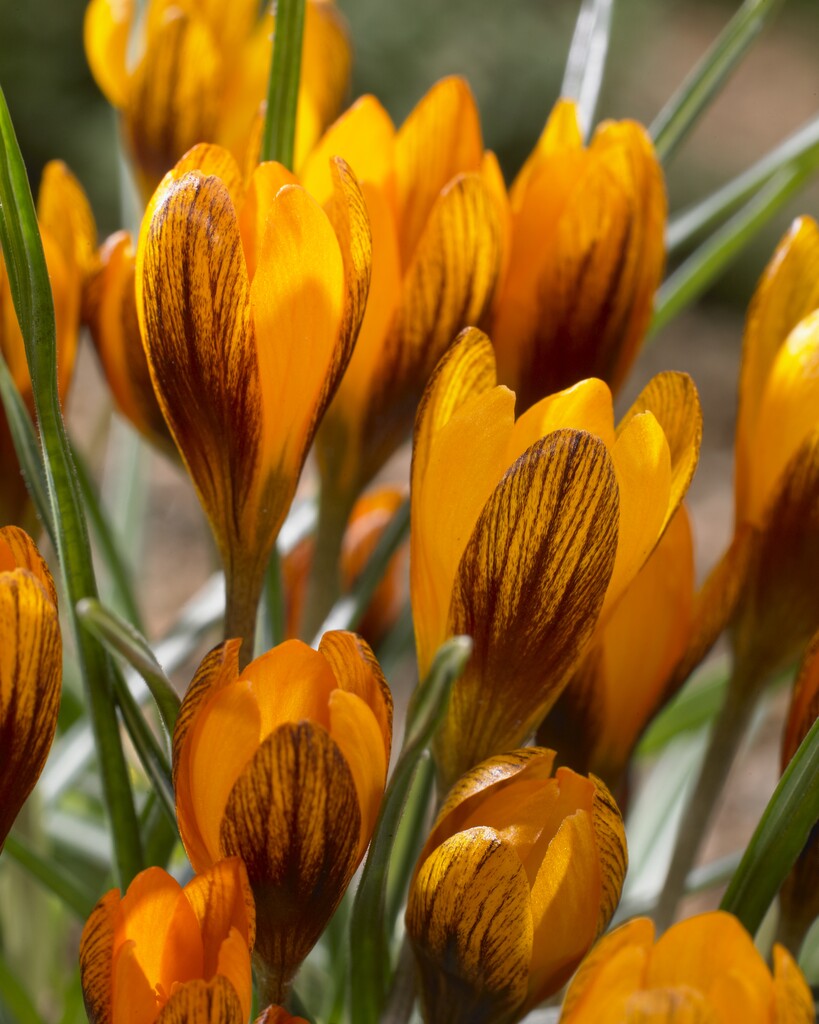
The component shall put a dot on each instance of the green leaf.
(271, 625)
(16, 1005)
(695, 706)
(369, 946)
(51, 875)
(799, 151)
(278, 141)
(586, 63)
(121, 638)
(779, 838)
(680, 114)
(348, 612)
(705, 264)
(31, 292)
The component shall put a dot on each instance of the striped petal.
(528, 591)
(18, 551)
(96, 958)
(203, 1002)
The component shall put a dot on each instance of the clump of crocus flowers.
(379, 288)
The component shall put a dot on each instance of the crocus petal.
(447, 114)
(30, 680)
(18, 551)
(203, 1002)
(134, 995)
(586, 405)
(528, 590)
(610, 837)
(469, 913)
(788, 291)
(233, 963)
(792, 997)
(193, 302)
(96, 956)
(106, 29)
(804, 708)
(222, 900)
(64, 212)
(561, 133)
(267, 180)
(293, 818)
(278, 1015)
(669, 1006)
(289, 683)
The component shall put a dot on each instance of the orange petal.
(265, 183)
(787, 292)
(528, 590)
(30, 680)
(96, 958)
(440, 139)
(804, 708)
(792, 997)
(293, 818)
(584, 406)
(106, 29)
(470, 925)
(560, 134)
(680, 1005)
(235, 965)
(18, 551)
(221, 899)
(289, 683)
(610, 837)
(203, 1002)
(64, 212)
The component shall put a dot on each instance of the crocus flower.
(172, 955)
(278, 1015)
(624, 678)
(284, 765)
(69, 241)
(777, 459)
(587, 254)
(432, 194)
(371, 515)
(703, 969)
(525, 532)
(520, 874)
(249, 304)
(799, 896)
(200, 71)
(31, 670)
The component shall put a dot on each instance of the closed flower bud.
(284, 765)
(249, 303)
(587, 254)
(520, 874)
(704, 969)
(31, 668)
(169, 955)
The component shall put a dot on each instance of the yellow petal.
(440, 139)
(364, 136)
(18, 551)
(610, 838)
(64, 212)
(266, 181)
(30, 680)
(96, 956)
(584, 406)
(193, 304)
(680, 1005)
(786, 413)
(787, 292)
(203, 1002)
(560, 134)
(642, 464)
(293, 818)
(470, 925)
(792, 997)
(106, 29)
(528, 590)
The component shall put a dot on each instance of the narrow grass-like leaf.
(31, 292)
(348, 612)
(27, 447)
(278, 140)
(412, 831)
(779, 838)
(271, 626)
(586, 63)
(51, 875)
(680, 114)
(694, 706)
(705, 264)
(16, 1005)
(108, 545)
(122, 638)
(799, 151)
(369, 946)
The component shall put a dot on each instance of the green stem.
(324, 579)
(28, 276)
(402, 993)
(723, 743)
(271, 627)
(681, 112)
(51, 875)
(412, 830)
(278, 140)
(693, 276)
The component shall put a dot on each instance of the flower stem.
(726, 735)
(324, 581)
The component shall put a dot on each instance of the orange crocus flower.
(200, 74)
(703, 969)
(249, 304)
(777, 460)
(434, 198)
(520, 874)
(586, 256)
(284, 765)
(163, 954)
(31, 669)
(525, 532)
(69, 242)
